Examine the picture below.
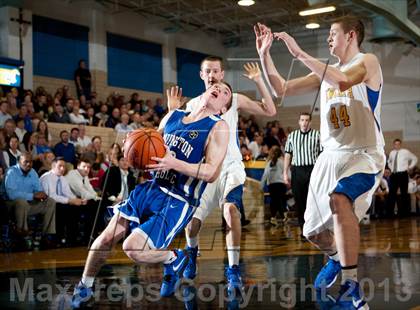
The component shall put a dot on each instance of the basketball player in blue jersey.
(349, 169)
(226, 191)
(157, 210)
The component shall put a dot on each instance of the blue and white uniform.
(353, 159)
(161, 208)
(229, 185)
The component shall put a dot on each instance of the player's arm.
(164, 120)
(366, 70)
(266, 107)
(278, 85)
(215, 153)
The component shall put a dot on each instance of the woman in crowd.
(273, 177)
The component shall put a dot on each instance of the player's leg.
(349, 202)
(98, 253)
(209, 200)
(232, 216)
(318, 222)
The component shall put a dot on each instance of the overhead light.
(312, 26)
(246, 2)
(325, 9)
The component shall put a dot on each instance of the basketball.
(142, 144)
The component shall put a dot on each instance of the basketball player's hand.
(165, 163)
(263, 38)
(290, 42)
(174, 95)
(252, 71)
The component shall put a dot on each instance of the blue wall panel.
(58, 46)
(133, 63)
(188, 72)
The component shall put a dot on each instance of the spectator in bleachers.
(13, 109)
(9, 128)
(401, 161)
(137, 121)
(55, 185)
(264, 152)
(123, 126)
(59, 115)
(114, 119)
(4, 112)
(120, 182)
(74, 136)
(46, 163)
(68, 106)
(246, 153)
(23, 114)
(83, 141)
(272, 138)
(20, 129)
(159, 107)
(31, 110)
(79, 183)
(113, 154)
(64, 148)
(102, 115)
(82, 78)
(256, 145)
(42, 145)
(94, 150)
(12, 153)
(41, 106)
(76, 117)
(91, 119)
(42, 129)
(96, 176)
(65, 94)
(134, 98)
(30, 140)
(25, 195)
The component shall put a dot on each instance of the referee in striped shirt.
(302, 150)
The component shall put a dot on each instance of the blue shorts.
(156, 213)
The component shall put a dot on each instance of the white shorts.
(227, 188)
(355, 174)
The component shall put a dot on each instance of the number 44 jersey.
(350, 119)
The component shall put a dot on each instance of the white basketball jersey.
(231, 118)
(350, 119)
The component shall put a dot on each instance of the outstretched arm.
(215, 153)
(266, 106)
(366, 70)
(279, 86)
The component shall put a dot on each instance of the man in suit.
(118, 183)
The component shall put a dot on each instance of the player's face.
(218, 97)
(211, 72)
(337, 40)
(304, 122)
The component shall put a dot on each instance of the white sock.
(233, 255)
(170, 258)
(88, 281)
(334, 257)
(348, 273)
(192, 242)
